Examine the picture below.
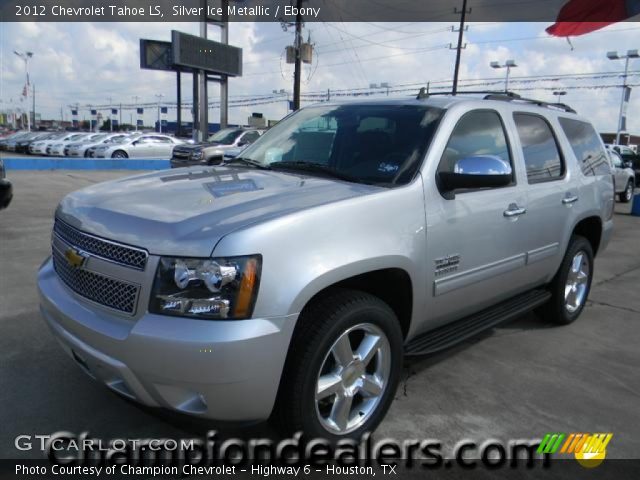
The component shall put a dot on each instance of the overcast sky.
(88, 63)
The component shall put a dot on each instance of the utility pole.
(460, 46)
(297, 74)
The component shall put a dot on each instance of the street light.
(509, 64)
(110, 114)
(558, 94)
(25, 56)
(159, 97)
(614, 56)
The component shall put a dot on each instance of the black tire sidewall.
(559, 312)
(372, 311)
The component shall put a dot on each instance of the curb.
(64, 163)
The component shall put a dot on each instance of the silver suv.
(290, 282)
(624, 178)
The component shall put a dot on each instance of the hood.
(186, 211)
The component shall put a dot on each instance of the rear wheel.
(627, 195)
(571, 285)
(119, 154)
(343, 367)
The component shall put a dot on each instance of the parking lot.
(518, 381)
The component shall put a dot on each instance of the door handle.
(514, 211)
(569, 199)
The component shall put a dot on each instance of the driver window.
(617, 162)
(480, 132)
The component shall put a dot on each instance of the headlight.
(197, 154)
(212, 288)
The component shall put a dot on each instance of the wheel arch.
(391, 284)
(591, 229)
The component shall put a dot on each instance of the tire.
(119, 154)
(627, 195)
(323, 328)
(563, 310)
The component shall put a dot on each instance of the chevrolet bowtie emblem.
(76, 258)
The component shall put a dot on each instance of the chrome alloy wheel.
(353, 378)
(628, 193)
(575, 290)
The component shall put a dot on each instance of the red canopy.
(578, 17)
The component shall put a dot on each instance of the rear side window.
(587, 147)
(541, 155)
(477, 133)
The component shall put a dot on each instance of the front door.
(474, 240)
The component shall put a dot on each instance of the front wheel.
(343, 367)
(571, 285)
(119, 154)
(627, 195)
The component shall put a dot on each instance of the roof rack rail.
(424, 93)
(510, 96)
(501, 95)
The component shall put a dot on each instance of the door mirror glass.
(478, 171)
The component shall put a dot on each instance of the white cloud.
(87, 63)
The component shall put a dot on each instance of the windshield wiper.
(246, 161)
(314, 168)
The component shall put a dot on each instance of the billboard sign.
(203, 54)
(156, 55)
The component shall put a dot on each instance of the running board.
(448, 335)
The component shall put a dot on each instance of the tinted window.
(586, 146)
(250, 137)
(539, 147)
(478, 133)
(382, 144)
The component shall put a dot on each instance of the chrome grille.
(106, 249)
(98, 288)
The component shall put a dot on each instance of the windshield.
(96, 138)
(119, 140)
(381, 144)
(225, 137)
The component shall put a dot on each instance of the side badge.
(448, 264)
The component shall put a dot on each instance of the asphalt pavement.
(518, 381)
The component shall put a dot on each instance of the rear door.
(552, 194)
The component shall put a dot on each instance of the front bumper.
(225, 370)
(6, 193)
(179, 162)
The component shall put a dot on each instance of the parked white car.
(81, 148)
(55, 148)
(150, 146)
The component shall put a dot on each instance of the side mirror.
(627, 164)
(242, 144)
(480, 171)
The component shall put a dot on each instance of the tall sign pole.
(224, 79)
(203, 96)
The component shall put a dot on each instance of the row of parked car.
(91, 145)
(226, 142)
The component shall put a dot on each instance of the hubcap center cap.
(352, 373)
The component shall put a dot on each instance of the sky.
(98, 64)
